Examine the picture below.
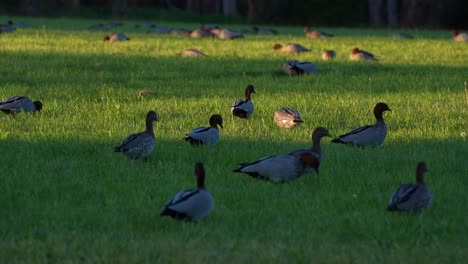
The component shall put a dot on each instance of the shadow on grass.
(191, 77)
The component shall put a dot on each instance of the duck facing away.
(192, 53)
(328, 55)
(226, 34)
(140, 145)
(280, 168)
(192, 204)
(294, 67)
(16, 104)
(116, 37)
(369, 135)
(291, 47)
(287, 117)
(315, 34)
(206, 135)
(244, 108)
(459, 37)
(357, 54)
(412, 196)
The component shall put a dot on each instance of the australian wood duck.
(199, 33)
(459, 37)
(287, 117)
(314, 34)
(191, 53)
(328, 54)
(294, 67)
(412, 196)
(206, 135)
(226, 34)
(244, 108)
(16, 104)
(370, 135)
(116, 37)
(192, 204)
(280, 168)
(357, 54)
(291, 47)
(140, 145)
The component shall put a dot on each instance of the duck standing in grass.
(459, 37)
(369, 135)
(16, 104)
(192, 204)
(140, 145)
(116, 37)
(287, 117)
(315, 34)
(280, 168)
(357, 54)
(290, 48)
(328, 55)
(244, 108)
(294, 67)
(206, 135)
(412, 196)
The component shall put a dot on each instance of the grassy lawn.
(65, 196)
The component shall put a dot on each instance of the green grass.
(65, 196)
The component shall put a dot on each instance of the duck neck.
(201, 181)
(149, 127)
(316, 144)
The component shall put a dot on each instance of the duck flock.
(195, 204)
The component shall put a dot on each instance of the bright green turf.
(66, 196)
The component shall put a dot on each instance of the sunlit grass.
(64, 193)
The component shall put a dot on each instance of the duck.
(369, 135)
(116, 37)
(264, 31)
(459, 37)
(357, 54)
(206, 135)
(199, 33)
(191, 53)
(314, 34)
(280, 168)
(140, 145)
(7, 29)
(328, 55)
(290, 47)
(412, 196)
(287, 117)
(244, 108)
(16, 104)
(192, 204)
(316, 148)
(294, 67)
(226, 34)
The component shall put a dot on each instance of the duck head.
(355, 51)
(200, 174)
(38, 105)
(454, 32)
(216, 120)
(420, 170)
(106, 38)
(277, 46)
(249, 90)
(319, 133)
(379, 109)
(152, 116)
